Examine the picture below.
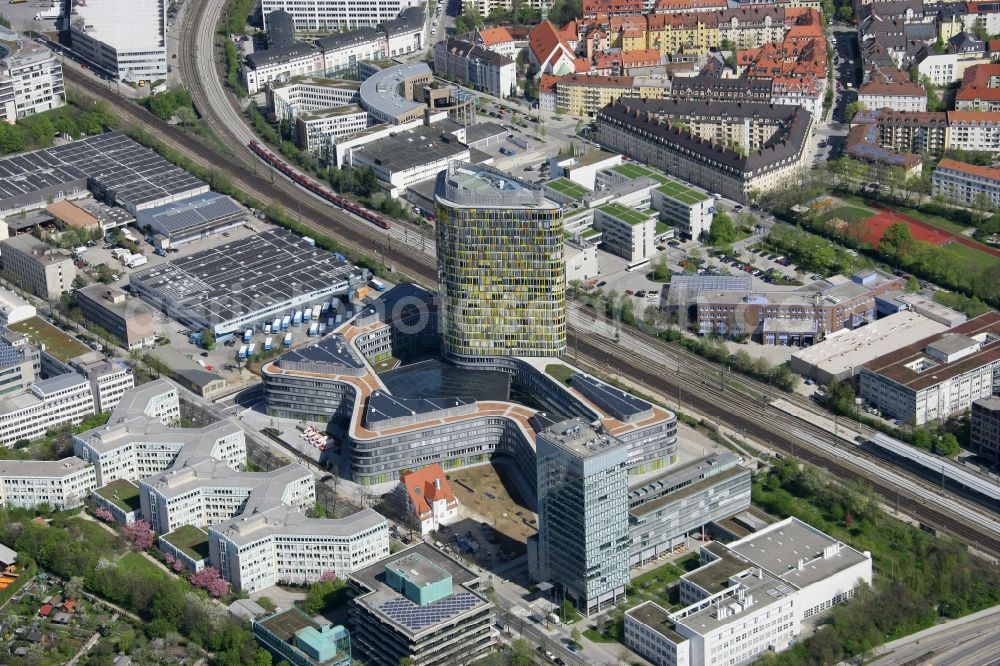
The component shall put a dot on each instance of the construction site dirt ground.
(484, 490)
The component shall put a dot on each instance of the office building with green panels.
(501, 267)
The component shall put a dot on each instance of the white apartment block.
(974, 130)
(280, 544)
(31, 80)
(334, 15)
(948, 67)
(897, 96)
(750, 597)
(137, 441)
(277, 65)
(206, 492)
(126, 38)
(46, 404)
(62, 484)
(939, 376)
(109, 382)
(476, 67)
(963, 183)
(626, 232)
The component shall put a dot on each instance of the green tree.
(853, 108)
(722, 231)
(208, 338)
(948, 445)
(912, 285)
(469, 19)
(846, 13)
(661, 271)
(896, 240)
(366, 182)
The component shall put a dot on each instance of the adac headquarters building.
(500, 266)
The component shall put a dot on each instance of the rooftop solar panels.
(414, 617)
(114, 166)
(190, 214)
(241, 281)
(383, 407)
(619, 404)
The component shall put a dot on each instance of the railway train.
(315, 187)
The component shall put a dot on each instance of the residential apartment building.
(679, 137)
(583, 525)
(31, 80)
(427, 498)
(964, 184)
(129, 320)
(125, 38)
(517, 307)
(626, 232)
(797, 317)
(279, 544)
(974, 130)
(896, 95)
(943, 69)
(666, 509)
(60, 484)
(205, 491)
(37, 267)
(939, 376)
(908, 132)
(749, 597)
(319, 16)
(984, 436)
(980, 89)
(476, 67)
(419, 604)
(278, 65)
(498, 40)
(586, 94)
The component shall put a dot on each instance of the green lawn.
(620, 212)
(681, 192)
(123, 494)
(56, 342)
(560, 372)
(190, 540)
(652, 585)
(568, 187)
(138, 562)
(849, 214)
(970, 258)
(632, 171)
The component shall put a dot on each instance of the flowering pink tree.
(103, 514)
(328, 577)
(168, 558)
(177, 566)
(138, 535)
(210, 580)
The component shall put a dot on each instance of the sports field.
(870, 230)
(569, 188)
(624, 214)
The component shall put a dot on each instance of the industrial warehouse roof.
(129, 174)
(193, 212)
(241, 277)
(424, 144)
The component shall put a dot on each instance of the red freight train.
(315, 187)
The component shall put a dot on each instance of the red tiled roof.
(976, 83)
(426, 485)
(45, 610)
(973, 117)
(971, 169)
(493, 36)
(543, 40)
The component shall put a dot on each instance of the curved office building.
(500, 265)
(333, 380)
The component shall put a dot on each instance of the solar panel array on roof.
(415, 617)
(384, 407)
(621, 405)
(199, 211)
(242, 278)
(117, 168)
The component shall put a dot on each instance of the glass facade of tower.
(501, 268)
(583, 537)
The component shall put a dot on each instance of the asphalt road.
(970, 641)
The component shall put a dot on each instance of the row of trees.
(39, 131)
(172, 103)
(813, 252)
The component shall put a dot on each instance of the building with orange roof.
(549, 53)
(586, 94)
(498, 40)
(973, 130)
(593, 8)
(686, 6)
(617, 63)
(980, 88)
(428, 499)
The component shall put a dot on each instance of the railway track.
(777, 430)
(251, 176)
